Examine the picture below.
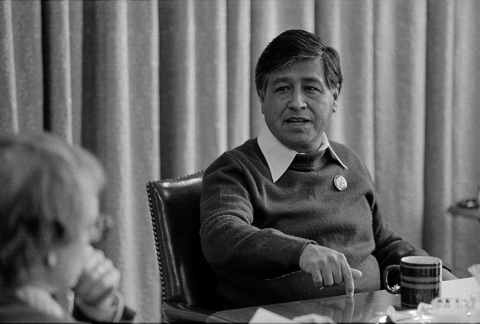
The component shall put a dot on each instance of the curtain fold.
(127, 139)
(238, 71)
(159, 89)
(465, 165)
(21, 58)
(177, 87)
(399, 94)
(57, 65)
(8, 90)
(438, 126)
(210, 80)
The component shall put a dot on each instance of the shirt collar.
(279, 157)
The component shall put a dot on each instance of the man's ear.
(335, 95)
(261, 95)
(262, 98)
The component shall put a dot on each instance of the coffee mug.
(420, 280)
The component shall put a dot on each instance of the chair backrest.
(175, 210)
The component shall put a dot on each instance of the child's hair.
(43, 182)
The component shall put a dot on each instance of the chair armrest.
(173, 311)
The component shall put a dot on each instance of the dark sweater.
(253, 231)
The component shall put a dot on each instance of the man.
(289, 215)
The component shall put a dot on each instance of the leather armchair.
(188, 283)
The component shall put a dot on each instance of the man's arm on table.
(230, 242)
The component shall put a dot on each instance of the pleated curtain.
(159, 89)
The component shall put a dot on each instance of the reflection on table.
(363, 307)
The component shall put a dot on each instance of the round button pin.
(340, 182)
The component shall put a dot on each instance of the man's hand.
(328, 267)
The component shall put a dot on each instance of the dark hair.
(43, 184)
(296, 45)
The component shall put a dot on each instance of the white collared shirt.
(279, 157)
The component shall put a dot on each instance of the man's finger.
(328, 279)
(356, 273)
(317, 278)
(348, 279)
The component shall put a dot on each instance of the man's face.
(298, 105)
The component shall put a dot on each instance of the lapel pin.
(340, 182)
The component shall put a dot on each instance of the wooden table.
(363, 307)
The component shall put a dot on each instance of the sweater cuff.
(301, 251)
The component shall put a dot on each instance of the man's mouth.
(297, 121)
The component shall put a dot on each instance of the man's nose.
(297, 101)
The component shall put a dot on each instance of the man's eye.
(281, 89)
(311, 88)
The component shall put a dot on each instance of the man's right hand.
(328, 267)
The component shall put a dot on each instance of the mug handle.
(395, 289)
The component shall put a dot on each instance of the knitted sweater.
(253, 230)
